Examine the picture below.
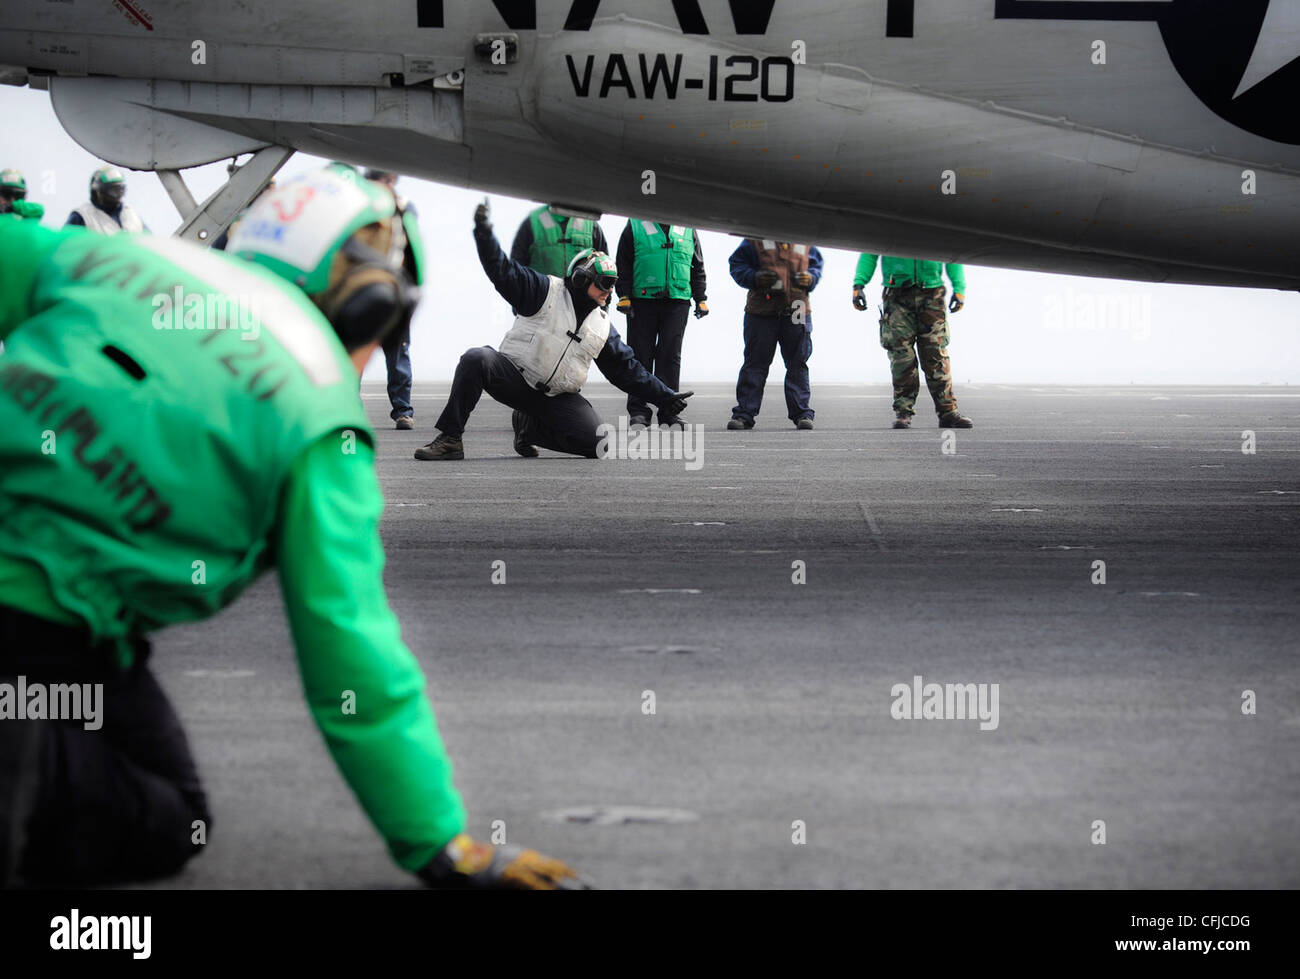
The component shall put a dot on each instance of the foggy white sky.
(1018, 327)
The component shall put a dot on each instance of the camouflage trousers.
(912, 316)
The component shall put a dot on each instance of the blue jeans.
(397, 355)
(763, 334)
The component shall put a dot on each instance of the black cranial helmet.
(107, 188)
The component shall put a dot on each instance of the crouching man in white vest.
(106, 213)
(561, 327)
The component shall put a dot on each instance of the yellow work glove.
(468, 863)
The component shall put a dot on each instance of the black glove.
(765, 279)
(483, 217)
(625, 306)
(803, 280)
(465, 863)
(859, 298)
(675, 407)
(701, 309)
(958, 301)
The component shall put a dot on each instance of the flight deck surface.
(1119, 702)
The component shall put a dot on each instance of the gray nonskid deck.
(1118, 702)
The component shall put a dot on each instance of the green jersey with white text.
(173, 422)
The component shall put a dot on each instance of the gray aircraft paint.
(1132, 169)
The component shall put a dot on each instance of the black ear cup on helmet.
(583, 276)
(369, 314)
(371, 300)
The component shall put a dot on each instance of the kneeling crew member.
(182, 451)
(561, 327)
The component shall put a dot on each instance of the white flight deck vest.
(102, 223)
(543, 347)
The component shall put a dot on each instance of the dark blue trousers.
(763, 334)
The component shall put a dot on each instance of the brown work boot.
(951, 419)
(443, 447)
(903, 421)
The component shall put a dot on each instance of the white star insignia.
(1276, 47)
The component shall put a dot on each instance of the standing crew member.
(397, 348)
(13, 197)
(187, 462)
(548, 241)
(106, 213)
(912, 315)
(778, 312)
(661, 268)
(561, 327)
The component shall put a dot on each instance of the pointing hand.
(483, 216)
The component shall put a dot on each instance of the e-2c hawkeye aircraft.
(1142, 139)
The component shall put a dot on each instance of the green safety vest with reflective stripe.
(557, 240)
(153, 398)
(412, 228)
(661, 267)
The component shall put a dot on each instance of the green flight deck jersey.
(908, 272)
(173, 422)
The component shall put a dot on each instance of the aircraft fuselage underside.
(801, 138)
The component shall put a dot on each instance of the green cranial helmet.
(345, 170)
(13, 188)
(107, 187)
(297, 229)
(590, 266)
